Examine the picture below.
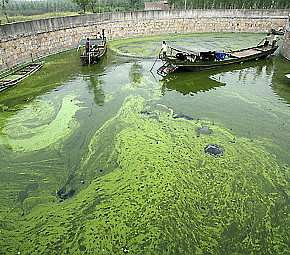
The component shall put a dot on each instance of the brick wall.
(23, 42)
(285, 51)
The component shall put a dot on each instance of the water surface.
(110, 159)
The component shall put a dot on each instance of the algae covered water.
(110, 159)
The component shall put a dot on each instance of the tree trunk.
(4, 10)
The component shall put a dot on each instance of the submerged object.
(214, 150)
(204, 130)
(18, 75)
(187, 60)
(177, 116)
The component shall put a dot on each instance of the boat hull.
(18, 75)
(93, 57)
(201, 65)
(276, 32)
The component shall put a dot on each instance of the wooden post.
(155, 60)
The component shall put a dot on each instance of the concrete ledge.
(285, 50)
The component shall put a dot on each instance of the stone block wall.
(285, 51)
(23, 42)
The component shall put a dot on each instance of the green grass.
(41, 16)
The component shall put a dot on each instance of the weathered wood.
(93, 56)
(8, 80)
(185, 60)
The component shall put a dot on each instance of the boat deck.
(212, 59)
(245, 53)
(250, 52)
(13, 78)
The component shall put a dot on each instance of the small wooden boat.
(96, 51)
(187, 60)
(277, 32)
(18, 75)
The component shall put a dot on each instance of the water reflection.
(115, 178)
(280, 84)
(135, 72)
(95, 84)
(206, 80)
(190, 83)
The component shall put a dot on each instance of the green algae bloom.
(149, 47)
(159, 193)
(129, 174)
(40, 125)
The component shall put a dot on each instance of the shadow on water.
(190, 82)
(201, 81)
(135, 72)
(281, 84)
(95, 86)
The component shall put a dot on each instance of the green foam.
(41, 124)
(159, 193)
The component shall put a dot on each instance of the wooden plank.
(23, 72)
(183, 50)
(245, 53)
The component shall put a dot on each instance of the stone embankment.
(285, 50)
(23, 42)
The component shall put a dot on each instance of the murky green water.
(109, 159)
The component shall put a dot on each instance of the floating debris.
(64, 194)
(214, 150)
(204, 130)
(145, 112)
(177, 116)
(155, 117)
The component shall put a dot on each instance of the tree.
(3, 7)
(81, 3)
(135, 4)
(94, 4)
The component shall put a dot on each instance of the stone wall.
(285, 51)
(23, 42)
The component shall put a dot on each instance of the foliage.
(34, 7)
(39, 16)
(28, 8)
(83, 4)
(94, 5)
(3, 8)
(231, 4)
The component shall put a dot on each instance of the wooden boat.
(187, 60)
(277, 32)
(97, 50)
(18, 75)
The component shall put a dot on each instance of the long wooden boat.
(18, 75)
(96, 52)
(187, 60)
(277, 32)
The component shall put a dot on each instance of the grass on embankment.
(41, 16)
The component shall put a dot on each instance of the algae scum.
(109, 159)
